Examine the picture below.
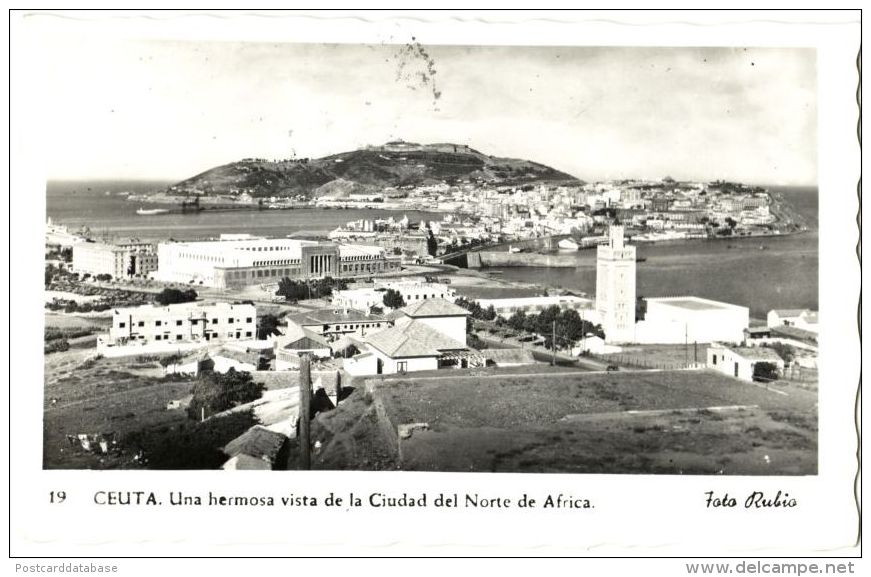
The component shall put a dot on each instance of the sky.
(117, 108)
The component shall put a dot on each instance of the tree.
(517, 321)
(170, 296)
(765, 372)
(489, 313)
(292, 290)
(640, 308)
(216, 392)
(432, 244)
(393, 299)
(267, 325)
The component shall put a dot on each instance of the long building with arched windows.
(242, 262)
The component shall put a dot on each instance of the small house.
(257, 448)
(804, 319)
(740, 362)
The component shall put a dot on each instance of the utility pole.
(686, 350)
(305, 392)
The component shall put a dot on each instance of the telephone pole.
(305, 392)
(686, 347)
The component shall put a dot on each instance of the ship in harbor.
(568, 244)
(151, 211)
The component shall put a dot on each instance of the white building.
(740, 362)
(677, 320)
(430, 335)
(121, 260)
(297, 340)
(334, 322)
(363, 299)
(154, 328)
(615, 287)
(804, 319)
(241, 262)
(506, 307)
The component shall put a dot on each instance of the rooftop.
(789, 313)
(333, 315)
(352, 250)
(182, 308)
(434, 308)
(693, 303)
(410, 338)
(299, 338)
(258, 442)
(756, 353)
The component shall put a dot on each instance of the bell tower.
(615, 287)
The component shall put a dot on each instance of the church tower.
(615, 287)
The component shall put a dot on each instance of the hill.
(372, 169)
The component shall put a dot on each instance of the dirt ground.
(88, 396)
(676, 422)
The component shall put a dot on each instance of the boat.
(641, 259)
(151, 211)
(568, 244)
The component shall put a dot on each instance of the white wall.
(177, 321)
(664, 324)
(412, 365)
(453, 327)
(360, 365)
(727, 362)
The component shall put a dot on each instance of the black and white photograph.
(403, 253)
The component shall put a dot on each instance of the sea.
(761, 273)
(108, 214)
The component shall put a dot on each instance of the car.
(611, 368)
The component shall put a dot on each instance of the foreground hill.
(375, 168)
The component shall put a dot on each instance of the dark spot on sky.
(752, 64)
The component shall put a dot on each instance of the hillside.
(375, 168)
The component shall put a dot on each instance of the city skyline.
(168, 110)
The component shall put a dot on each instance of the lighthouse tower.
(615, 287)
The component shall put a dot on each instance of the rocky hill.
(373, 169)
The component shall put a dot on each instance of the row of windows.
(243, 274)
(265, 248)
(276, 262)
(201, 257)
(207, 335)
(362, 257)
(179, 323)
(353, 327)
